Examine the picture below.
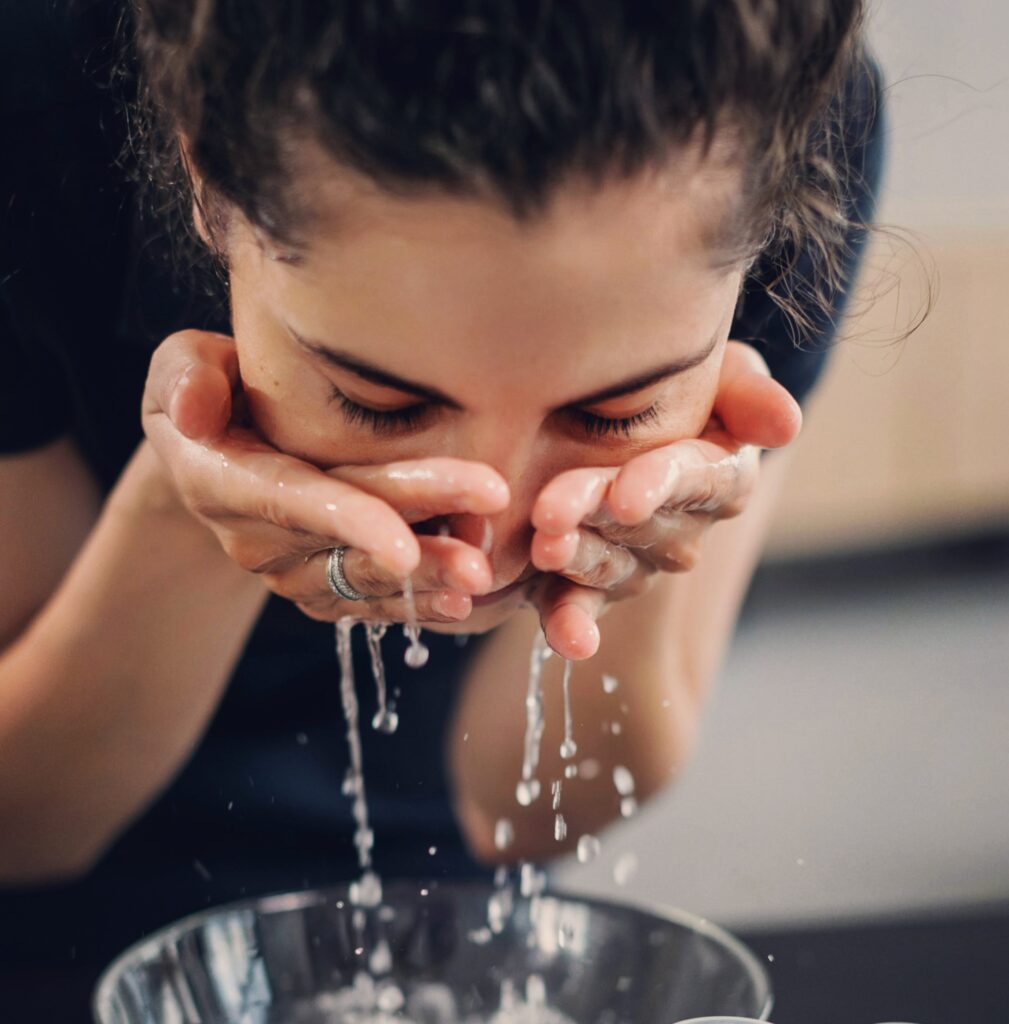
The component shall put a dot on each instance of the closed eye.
(384, 422)
(601, 426)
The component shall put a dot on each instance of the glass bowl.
(433, 956)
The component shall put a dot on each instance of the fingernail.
(452, 604)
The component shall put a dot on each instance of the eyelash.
(405, 419)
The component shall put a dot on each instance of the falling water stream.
(376, 999)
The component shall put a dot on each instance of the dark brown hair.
(507, 99)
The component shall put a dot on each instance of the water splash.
(417, 653)
(385, 720)
(528, 788)
(568, 747)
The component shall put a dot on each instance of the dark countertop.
(941, 969)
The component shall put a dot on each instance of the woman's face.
(437, 326)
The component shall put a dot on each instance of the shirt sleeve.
(861, 122)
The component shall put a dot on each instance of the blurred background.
(854, 759)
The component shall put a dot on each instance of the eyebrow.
(376, 375)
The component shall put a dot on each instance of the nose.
(506, 536)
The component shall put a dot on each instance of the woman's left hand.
(603, 532)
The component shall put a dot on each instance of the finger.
(239, 476)
(754, 408)
(191, 378)
(568, 614)
(595, 561)
(445, 564)
(692, 475)
(569, 498)
(435, 606)
(670, 540)
(423, 488)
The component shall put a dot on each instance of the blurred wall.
(908, 441)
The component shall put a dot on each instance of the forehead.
(418, 282)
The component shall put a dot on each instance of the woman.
(481, 269)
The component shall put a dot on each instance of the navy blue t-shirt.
(84, 298)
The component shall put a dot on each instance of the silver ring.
(335, 578)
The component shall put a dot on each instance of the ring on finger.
(336, 579)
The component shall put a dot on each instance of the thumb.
(754, 408)
(192, 377)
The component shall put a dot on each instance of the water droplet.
(568, 749)
(610, 683)
(390, 998)
(571, 771)
(625, 868)
(531, 880)
(480, 936)
(499, 906)
(380, 961)
(302, 739)
(628, 807)
(588, 849)
(417, 655)
(616, 728)
(432, 850)
(589, 768)
(504, 833)
(560, 828)
(536, 991)
(555, 793)
(623, 780)
(770, 958)
(385, 720)
(366, 891)
(425, 892)
(527, 791)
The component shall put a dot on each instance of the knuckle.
(364, 576)
(252, 556)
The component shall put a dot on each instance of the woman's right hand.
(280, 517)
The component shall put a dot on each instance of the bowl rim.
(298, 899)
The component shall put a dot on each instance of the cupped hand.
(603, 532)
(279, 517)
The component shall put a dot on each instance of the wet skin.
(420, 327)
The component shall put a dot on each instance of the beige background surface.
(910, 441)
